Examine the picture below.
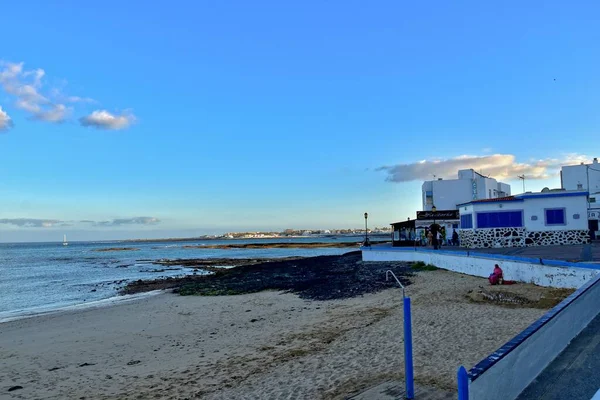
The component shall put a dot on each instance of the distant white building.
(581, 177)
(446, 194)
(530, 219)
(585, 177)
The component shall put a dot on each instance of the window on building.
(429, 197)
(466, 221)
(490, 193)
(555, 216)
(503, 219)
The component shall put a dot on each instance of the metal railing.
(408, 353)
(387, 275)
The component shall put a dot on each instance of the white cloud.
(30, 222)
(499, 166)
(77, 99)
(125, 221)
(102, 119)
(57, 113)
(49, 223)
(26, 86)
(51, 104)
(59, 96)
(5, 121)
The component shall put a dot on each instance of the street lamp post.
(366, 231)
(435, 231)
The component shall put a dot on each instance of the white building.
(446, 194)
(529, 219)
(581, 177)
(585, 177)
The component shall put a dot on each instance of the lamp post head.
(433, 209)
(366, 215)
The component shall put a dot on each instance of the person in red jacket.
(496, 278)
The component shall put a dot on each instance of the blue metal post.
(463, 383)
(408, 357)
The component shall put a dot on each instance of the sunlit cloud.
(499, 166)
(26, 87)
(5, 121)
(102, 119)
(51, 104)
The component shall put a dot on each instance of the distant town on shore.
(288, 233)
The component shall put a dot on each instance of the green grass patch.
(421, 266)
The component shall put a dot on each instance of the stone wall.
(518, 237)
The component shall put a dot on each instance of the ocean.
(43, 277)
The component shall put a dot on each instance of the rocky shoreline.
(316, 278)
(117, 249)
(281, 245)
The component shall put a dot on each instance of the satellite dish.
(545, 190)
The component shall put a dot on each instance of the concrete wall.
(508, 371)
(556, 274)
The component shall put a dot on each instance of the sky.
(180, 118)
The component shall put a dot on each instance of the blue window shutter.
(504, 219)
(555, 216)
(466, 221)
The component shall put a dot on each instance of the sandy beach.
(267, 345)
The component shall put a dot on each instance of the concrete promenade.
(574, 374)
(571, 253)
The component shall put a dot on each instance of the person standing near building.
(455, 238)
(434, 230)
(429, 238)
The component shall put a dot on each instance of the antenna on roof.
(522, 177)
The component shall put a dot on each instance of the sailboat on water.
(65, 243)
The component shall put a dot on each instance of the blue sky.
(205, 116)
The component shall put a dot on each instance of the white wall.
(535, 207)
(542, 275)
(573, 205)
(572, 175)
(510, 375)
(447, 193)
(504, 187)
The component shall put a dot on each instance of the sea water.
(42, 277)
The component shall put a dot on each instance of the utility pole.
(522, 177)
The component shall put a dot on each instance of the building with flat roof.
(446, 194)
(529, 219)
(585, 177)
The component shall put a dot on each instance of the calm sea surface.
(40, 277)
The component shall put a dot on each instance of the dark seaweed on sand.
(316, 278)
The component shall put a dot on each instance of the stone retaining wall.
(519, 237)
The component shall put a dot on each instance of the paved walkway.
(395, 391)
(574, 374)
(572, 253)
